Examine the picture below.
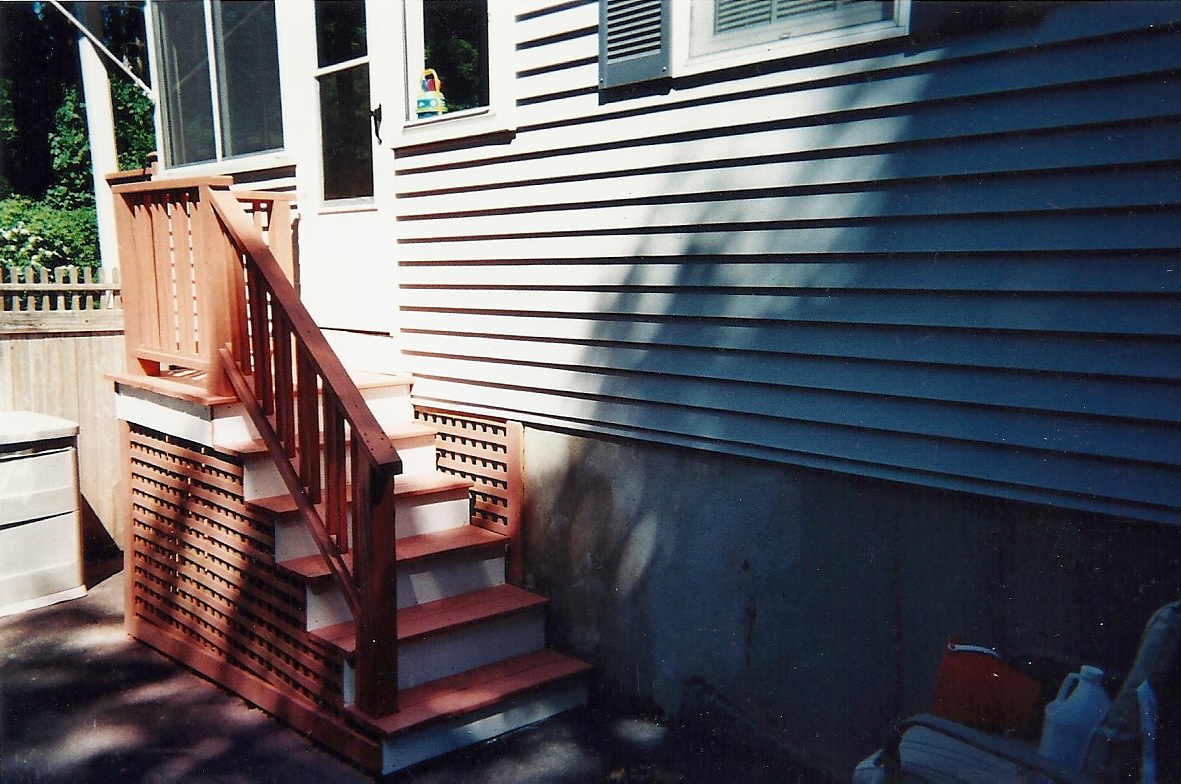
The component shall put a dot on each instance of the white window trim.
(234, 164)
(685, 63)
(497, 117)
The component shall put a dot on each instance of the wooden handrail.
(212, 295)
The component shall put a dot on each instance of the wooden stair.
(472, 661)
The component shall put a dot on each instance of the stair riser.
(403, 751)
(418, 583)
(413, 515)
(447, 576)
(326, 606)
(438, 656)
(390, 405)
(261, 478)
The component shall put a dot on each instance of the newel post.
(374, 564)
(217, 298)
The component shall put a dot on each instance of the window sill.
(470, 126)
(261, 161)
(340, 206)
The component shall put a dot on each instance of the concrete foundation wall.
(807, 609)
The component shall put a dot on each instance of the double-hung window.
(220, 79)
(640, 40)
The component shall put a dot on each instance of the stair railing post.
(374, 566)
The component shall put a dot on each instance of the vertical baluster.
(309, 424)
(260, 329)
(335, 498)
(284, 397)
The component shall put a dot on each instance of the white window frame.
(692, 21)
(222, 163)
(497, 116)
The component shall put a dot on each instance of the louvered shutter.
(633, 41)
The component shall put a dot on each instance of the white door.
(348, 265)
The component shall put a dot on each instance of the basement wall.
(805, 610)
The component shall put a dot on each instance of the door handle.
(376, 115)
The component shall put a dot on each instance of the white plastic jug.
(1073, 717)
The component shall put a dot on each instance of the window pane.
(340, 30)
(248, 75)
(455, 45)
(187, 103)
(344, 126)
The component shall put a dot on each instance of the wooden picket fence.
(30, 289)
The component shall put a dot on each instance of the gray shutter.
(633, 41)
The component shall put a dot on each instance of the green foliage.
(134, 129)
(36, 233)
(8, 134)
(69, 147)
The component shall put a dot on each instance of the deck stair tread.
(398, 433)
(314, 568)
(442, 615)
(405, 485)
(474, 690)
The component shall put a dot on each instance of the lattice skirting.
(488, 452)
(203, 588)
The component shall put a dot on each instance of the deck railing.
(208, 289)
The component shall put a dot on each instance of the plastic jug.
(1073, 717)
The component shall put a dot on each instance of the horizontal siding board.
(533, 26)
(1051, 353)
(962, 385)
(1140, 441)
(1055, 472)
(1148, 274)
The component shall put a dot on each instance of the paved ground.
(81, 703)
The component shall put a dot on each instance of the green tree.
(69, 151)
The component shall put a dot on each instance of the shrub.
(39, 234)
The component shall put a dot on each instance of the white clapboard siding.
(948, 261)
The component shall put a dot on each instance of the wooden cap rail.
(208, 289)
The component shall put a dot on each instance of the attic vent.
(633, 41)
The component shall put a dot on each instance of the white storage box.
(40, 536)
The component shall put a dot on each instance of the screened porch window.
(220, 69)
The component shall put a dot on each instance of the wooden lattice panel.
(489, 453)
(201, 566)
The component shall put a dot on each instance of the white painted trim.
(498, 117)
(687, 29)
